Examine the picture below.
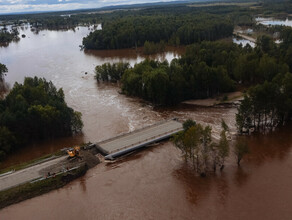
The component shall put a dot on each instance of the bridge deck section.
(141, 137)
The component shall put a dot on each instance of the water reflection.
(243, 42)
(83, 187)
(241, 176)
(135, 54)
(196, 188)
(270, 146)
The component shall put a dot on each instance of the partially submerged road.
(129, 142)
(27, 174)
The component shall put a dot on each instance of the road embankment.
(44, 177)
(30, 190)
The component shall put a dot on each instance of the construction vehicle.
(74, 152)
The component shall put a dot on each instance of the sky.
(12, 6)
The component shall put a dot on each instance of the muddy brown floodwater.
(154, 183)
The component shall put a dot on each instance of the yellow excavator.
(74, 152)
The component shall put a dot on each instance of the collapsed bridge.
(125, 143)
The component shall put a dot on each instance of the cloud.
(12, 6)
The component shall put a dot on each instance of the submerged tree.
(111, 72)
(196, 144)
(266, 105)
(223, 146)
(240, 149)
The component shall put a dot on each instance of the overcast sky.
(11, 6)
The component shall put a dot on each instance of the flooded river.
(56, 56)
(154, 183)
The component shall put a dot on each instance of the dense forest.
(210, 68)
(35, 110)
(207, 69)
(182, 29)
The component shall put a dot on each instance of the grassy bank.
(30, 190)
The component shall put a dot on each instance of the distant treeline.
(176, 24)
(35, 110)
(61, 19)
(238, 14)
(134, 31)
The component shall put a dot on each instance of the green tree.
(188, 124)
(3, 70)
(223, 148)
(240, 149)
(40, 108)
(244, 115)
(7, 141)
(196, 146)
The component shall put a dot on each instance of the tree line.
(134, 31)
(32, 111)
(205, 70)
